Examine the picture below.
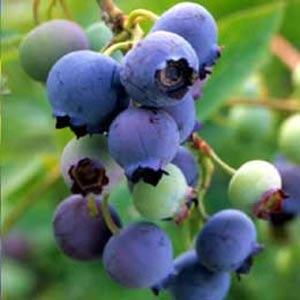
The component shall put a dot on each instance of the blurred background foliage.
(33, 268)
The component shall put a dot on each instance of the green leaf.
(16, 181)
(246, 37)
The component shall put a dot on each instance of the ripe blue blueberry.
(85, 92)
(196, 25)
(143, 141)
(48, 42)
(81, 232)
(184, 114)
(159, 70)
(227, 242)
(187, 163)
(290, 175)
(139, 256)
(193, 281)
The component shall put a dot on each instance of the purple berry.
(193, 281)
(80, 230)
(139, 256)
(85, 92)
(196, 25)
(143, 141)
(159, 70)
(187, 163)
(184, 114)
(227, 242)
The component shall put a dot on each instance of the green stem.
(35, 9)
(92, 206)
(221, 163)
(201, 145)
(118, 46)
(207, 168)
(50, 8)
(32, 197)
(107, 216)
(66, 10)
(291, 105)
(137, 34)
(139, 14)
(14, 41)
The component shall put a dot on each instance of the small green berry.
(164, 200)
(251, 123)
(251, 181)
(289, 138)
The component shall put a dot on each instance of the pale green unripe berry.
(251, 181)
(289, 138)
(164, 200)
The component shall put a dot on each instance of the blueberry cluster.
(131, 114)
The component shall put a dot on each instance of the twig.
(35, 10)
(291, 105)
(286, 52)
(201, 145)
(66, 10)
(107, 216)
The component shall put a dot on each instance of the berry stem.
(118, 46)
(65, 9)
(35, 10)
(35, 195)
(291, 105)
(50, 8)
(107, 216)
(92, 206)
(206, 149)
(112, 15)
(207, 168)
(286, 52)
(139, 15)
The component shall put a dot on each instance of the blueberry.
(227, 242)
(165, 200)
(290, 174)
(193, 281)
(184, 114)
(99, 36)
(143, 142)
(81, 234)
(159, 70)
(187, 163)
(88, 167)
(252, 181)
(48, 42)
(85, 92)
(196, 25)
(139, 256)
(288, 138)
(251, 123)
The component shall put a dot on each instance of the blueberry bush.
(150, 150)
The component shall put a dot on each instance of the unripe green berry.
(251, 123)
(99, 36)
(251, 181)
(47, 43)
(164, 200)
(289, 138)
